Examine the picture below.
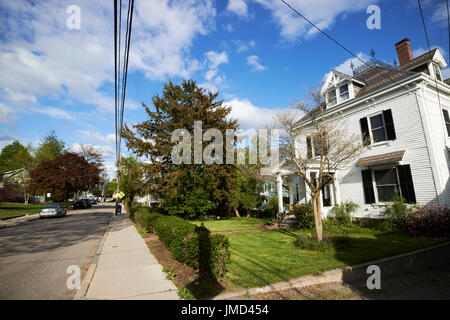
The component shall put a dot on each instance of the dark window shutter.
(389, 124)
(309, 147)
(369, 195)
(406, 183)
(365, 131)
(447, 121)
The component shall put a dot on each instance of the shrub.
(307, 242)
(304, 214)
(271, 208)
(146, 218)
(396, 211)
(191, 244)
(342, 212)
(428, 222)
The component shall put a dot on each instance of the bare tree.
(91, 153)
(320, 140)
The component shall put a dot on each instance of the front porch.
(298, 190)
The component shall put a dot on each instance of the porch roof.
(381, 159)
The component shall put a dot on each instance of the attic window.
(343, 91)
(437, 72)
(332, 97)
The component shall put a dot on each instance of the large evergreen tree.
(49, 148)
(190, 190)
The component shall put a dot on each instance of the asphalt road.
(35, 255)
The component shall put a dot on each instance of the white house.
(405, 112)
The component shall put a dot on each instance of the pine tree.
(190, 190)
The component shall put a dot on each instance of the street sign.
(121, 195)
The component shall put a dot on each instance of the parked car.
(93, 201)
(53, 210)
(82, 204)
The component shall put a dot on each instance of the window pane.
(343, 88)
(388, 176)
(376, 121)
(332, 94)
(379, 134)
(386, 193)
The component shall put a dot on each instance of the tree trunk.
(248, 214)
(317, 216)
(26, 198)
(236, 212)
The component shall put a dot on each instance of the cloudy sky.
(258, 54)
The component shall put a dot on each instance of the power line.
(429, 49)
(343, 47)
(448, 23)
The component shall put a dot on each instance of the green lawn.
(8, 210)
(231, 224)
(259, 258)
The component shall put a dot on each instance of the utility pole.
(119, 170)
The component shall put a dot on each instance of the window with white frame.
(437, 72)
(343, 92)
(378, 128)
(386, 181)
(447, 120)
(332, 99)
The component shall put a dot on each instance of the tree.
(91, 153)
(15, 156)
(327, 135)
(131, 178)
(17, 159)
(63, 176)
(190, 190)
(50, 148)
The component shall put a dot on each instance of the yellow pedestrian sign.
(121, 194)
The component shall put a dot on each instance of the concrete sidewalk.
(126, 269)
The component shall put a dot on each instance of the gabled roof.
(377, 77)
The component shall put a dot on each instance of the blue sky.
(257, 53)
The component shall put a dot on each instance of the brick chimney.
(404, 52)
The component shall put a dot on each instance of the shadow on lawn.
(414, 277)
(206, 284)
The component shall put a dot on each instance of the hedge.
(188, 243)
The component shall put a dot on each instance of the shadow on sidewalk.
(206, 284)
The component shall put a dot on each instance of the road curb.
(16, 221)
(84, 286)
(348, 273)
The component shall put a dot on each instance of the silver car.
(53, 210)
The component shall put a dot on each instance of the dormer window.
(437, 72)
(343, 91)
(332, 100)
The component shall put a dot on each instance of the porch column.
(280, 193)
(291, 190)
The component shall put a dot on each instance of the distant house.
(405, 112)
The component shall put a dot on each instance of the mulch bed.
(185, 275)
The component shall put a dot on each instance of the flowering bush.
(428, 222)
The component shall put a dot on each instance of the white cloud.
(256, 66)
(323, 13)
(41, 57)
(228, 27)
(419, 51)
(213, 61)
(7, 115)
(238, 6)
(95, 137)
(244, 46)
(53, 112)
(249, 115)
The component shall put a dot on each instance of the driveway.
(35, 255)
